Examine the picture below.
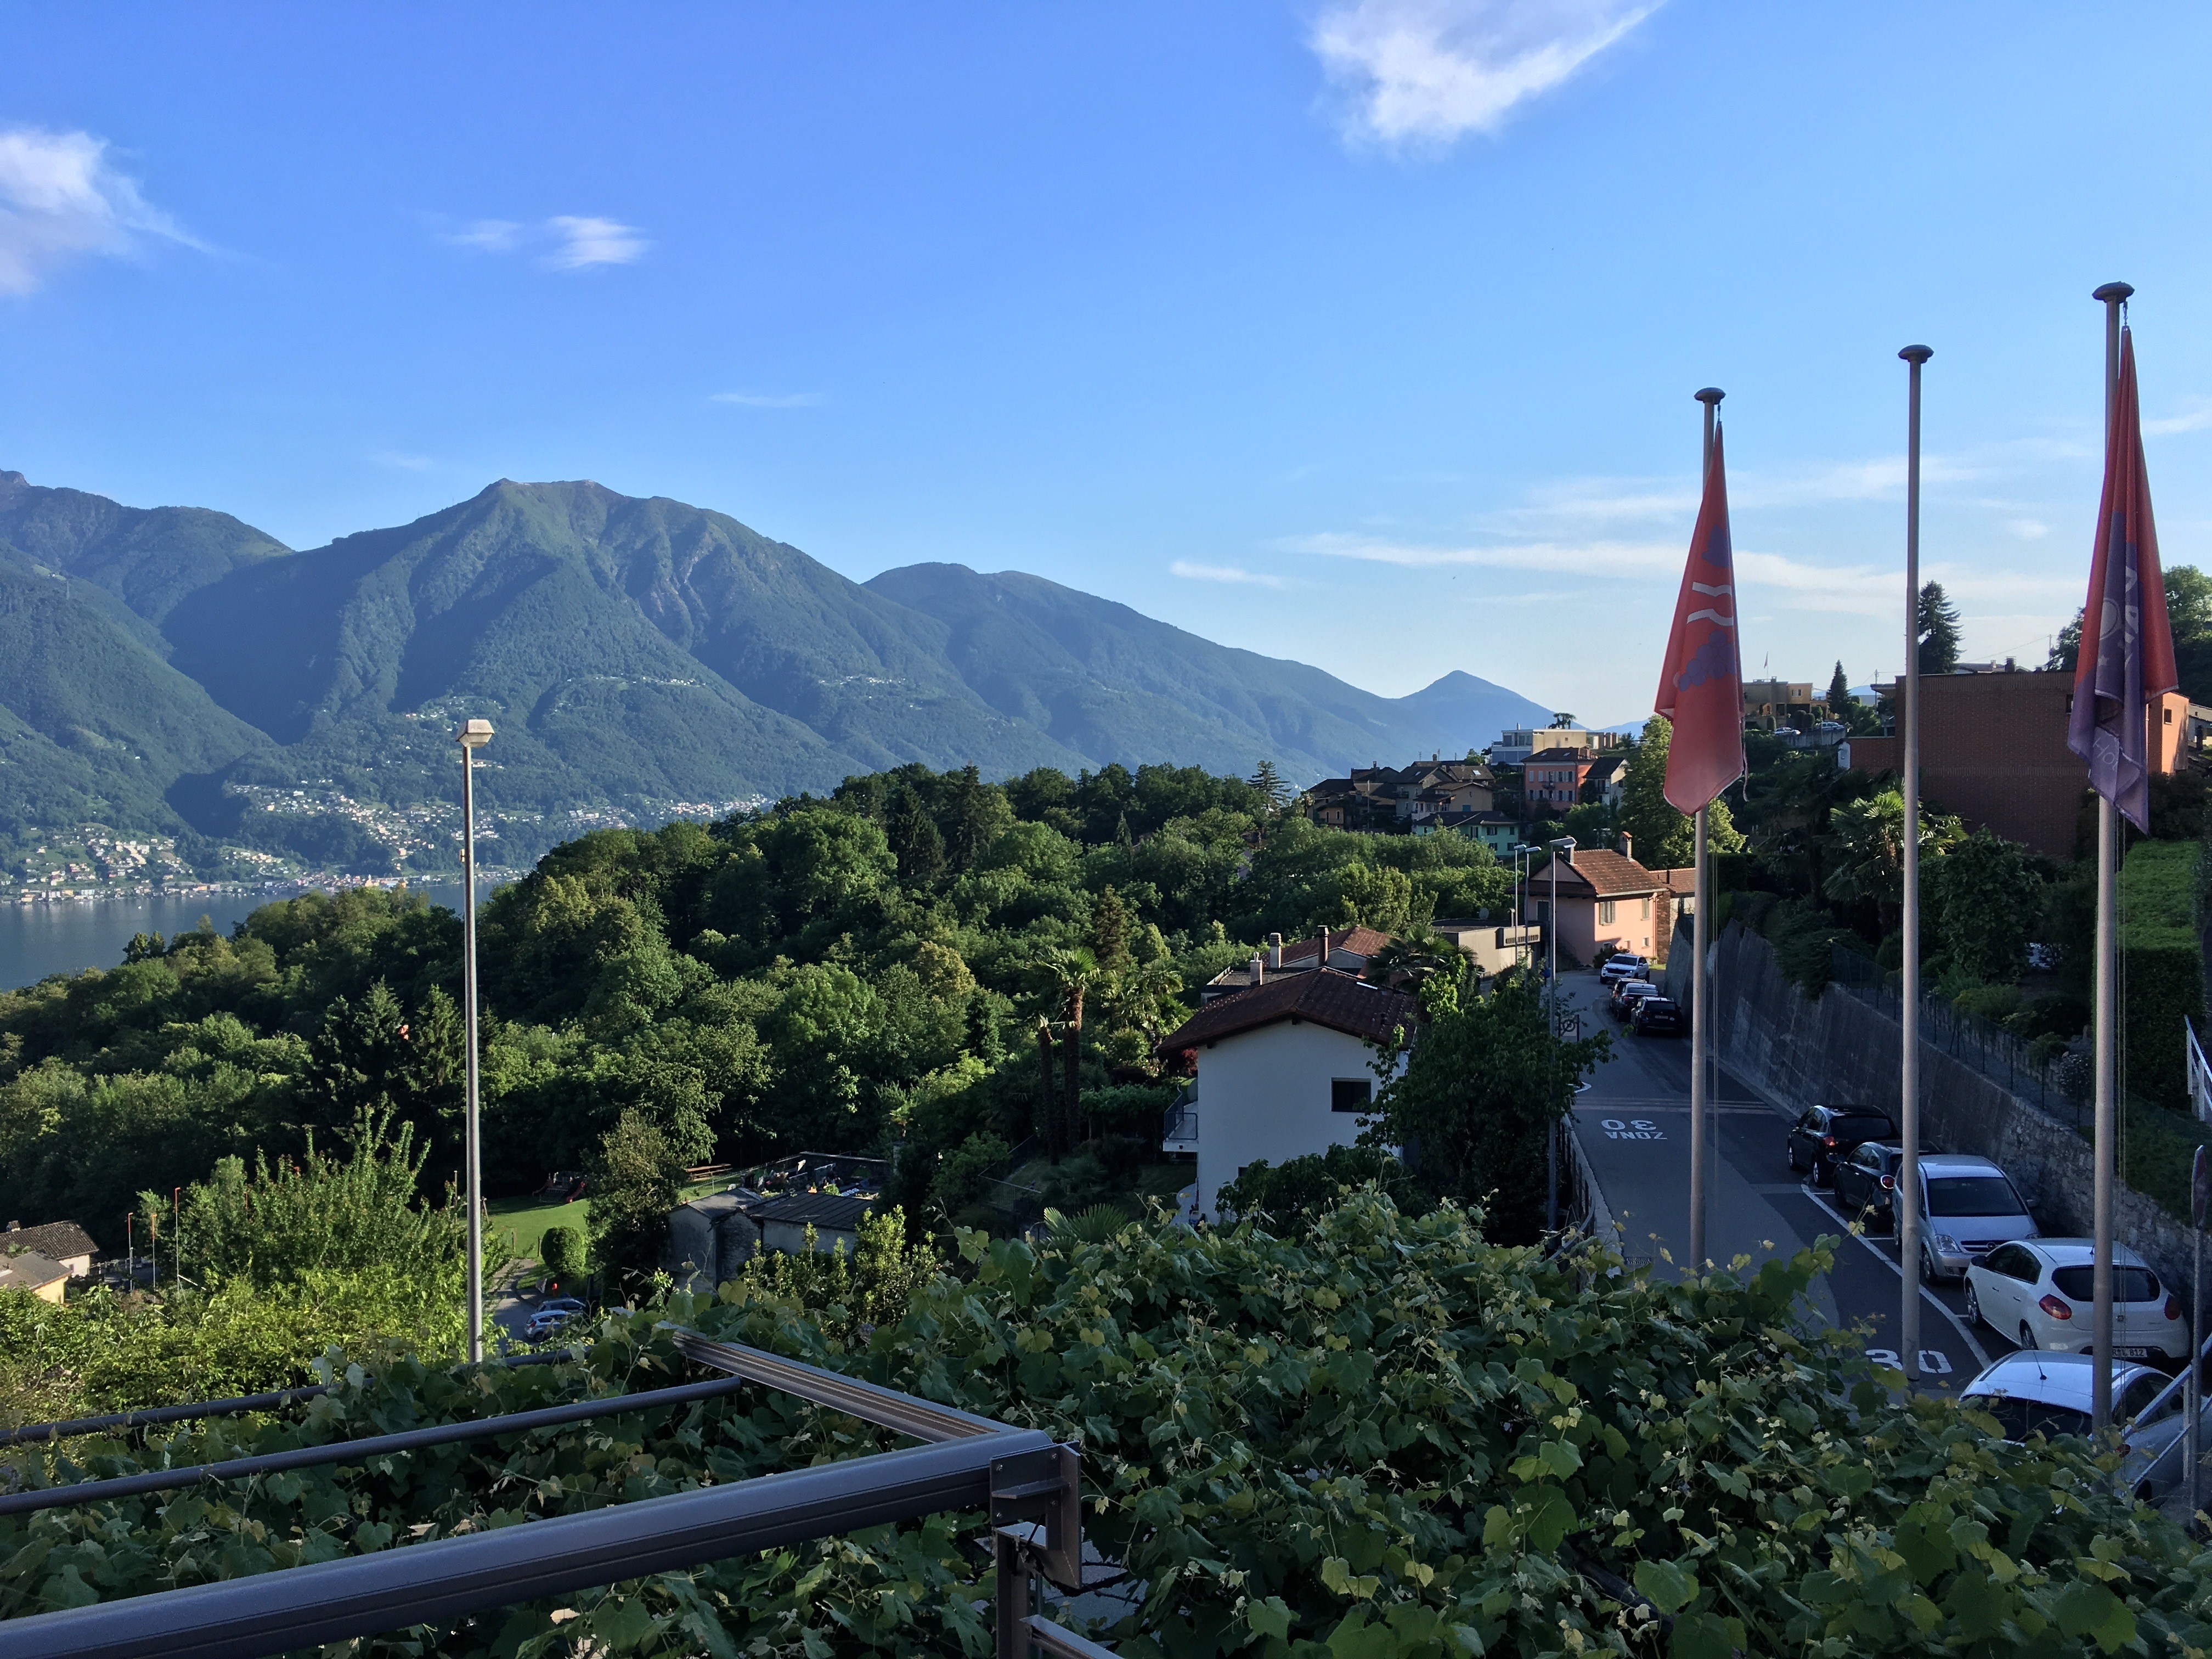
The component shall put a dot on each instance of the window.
(2128, 1283)
(1605, 913)
(1645, 914)
(1350, 1094)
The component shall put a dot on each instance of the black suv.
(1866, 1182)
(1824, 1136)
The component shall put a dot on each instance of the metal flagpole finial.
(2112, 292)
(1916, 354)
(1711, 395)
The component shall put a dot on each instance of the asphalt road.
(1633, 1121)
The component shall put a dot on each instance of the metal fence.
(2037, 1075)
(1030, 1485)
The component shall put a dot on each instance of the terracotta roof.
(1360, 941)
(58, 1240)
(26, 1270)
(1556, 757)
(1609, 875)
(1330, 998)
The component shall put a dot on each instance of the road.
(1633, 1121)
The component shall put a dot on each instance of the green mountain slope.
(97, 724)
(1118, 685)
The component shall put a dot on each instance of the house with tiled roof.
(57, 1241)
(1603, 898)
(1283, 1067)
(26, 1270)
(1552, 780)
(1348, 949)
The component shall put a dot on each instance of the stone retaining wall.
(1839, 1050)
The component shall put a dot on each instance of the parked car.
(2034, 1392)
(1824, 1136)
(1626, 964)
(1628, 993)
(1657, 1017)
(560, 1304)
(1970, 1207)
(1866, 1182)
(2037, 1292)
(544, 1323)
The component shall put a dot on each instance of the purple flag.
(2126, 659)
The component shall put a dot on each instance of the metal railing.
(1029, 1483)
(1179, 1124)
(2023, 1070)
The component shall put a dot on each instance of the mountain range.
(176, 671)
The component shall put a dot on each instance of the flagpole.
(1906, 1210)
(1701, 1022)
(2113, 295)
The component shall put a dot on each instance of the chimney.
(1321, 961)
(1275, 950)
(1254, 971)
(1627, 845)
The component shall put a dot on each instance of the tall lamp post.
(1560, 847)
(472, 736)
(1521, 851)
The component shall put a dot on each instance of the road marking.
(1872, 1249)
(1632, 1128)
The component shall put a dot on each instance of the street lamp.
(1520, 850)
(472, 736)
(1565, 844)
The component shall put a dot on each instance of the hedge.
(2161, 968)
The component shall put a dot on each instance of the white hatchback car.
(2035, 1392)
(1623, 966)
(2037, 1292)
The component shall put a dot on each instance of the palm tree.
(1065, 976)
(1414, 961)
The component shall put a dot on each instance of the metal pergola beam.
(452, 1579)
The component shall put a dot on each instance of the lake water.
(38, 939)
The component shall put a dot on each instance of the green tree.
(1987, 898)
(1664, 838)
(1866, 850)
(1067, 977)
(634, 1181)
(1840, 701)
(561, 1251)
(1938, 629)
(290, 1217)
(1275, 795)
(1477, 1097)
(914, 840)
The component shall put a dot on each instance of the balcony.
(1179, 1128)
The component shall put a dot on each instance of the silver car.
(1968, 1207)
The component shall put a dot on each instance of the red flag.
(2126, 656)
(1701, 688)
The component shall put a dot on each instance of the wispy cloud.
(2028, 530)
(1229, 572)
(2196, 415)
(564, 242)
(771, 399)
(404, 462)
(594, 242)
(1421, 74)
(61, 199)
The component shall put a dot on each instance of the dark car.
(1866, 1183)
(1824, 1136)
(1657, 1017)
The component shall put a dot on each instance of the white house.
(1285, 1069)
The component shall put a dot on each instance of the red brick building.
(1993, 751)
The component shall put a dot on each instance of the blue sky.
(1362, 332)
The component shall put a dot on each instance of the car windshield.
(2022, 1417)
(1858, 1129)
(2128, 1283)
(1972, 1196)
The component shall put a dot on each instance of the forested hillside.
(831, 973)
(641, 659)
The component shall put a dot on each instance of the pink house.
(1552, 780)
(1605, 898)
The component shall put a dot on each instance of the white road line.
(1957, 1324)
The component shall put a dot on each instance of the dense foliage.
(833, 974)
(1387, 1440)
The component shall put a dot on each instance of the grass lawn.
(517, 1224)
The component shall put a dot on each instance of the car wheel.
(1824, 1173)
(2027, 1335)
(1795, 1168)
(1973, 1304)
(1929, 1273)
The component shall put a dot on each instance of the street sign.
(2200, 1188)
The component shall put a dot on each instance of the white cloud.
(492, 235)
(2196, 415)
(60, 200)
(594, 242)
(770, 399)
(2028, 530)
(569, 241)
(404, 462)
(1421, 74)
(1228, 572)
